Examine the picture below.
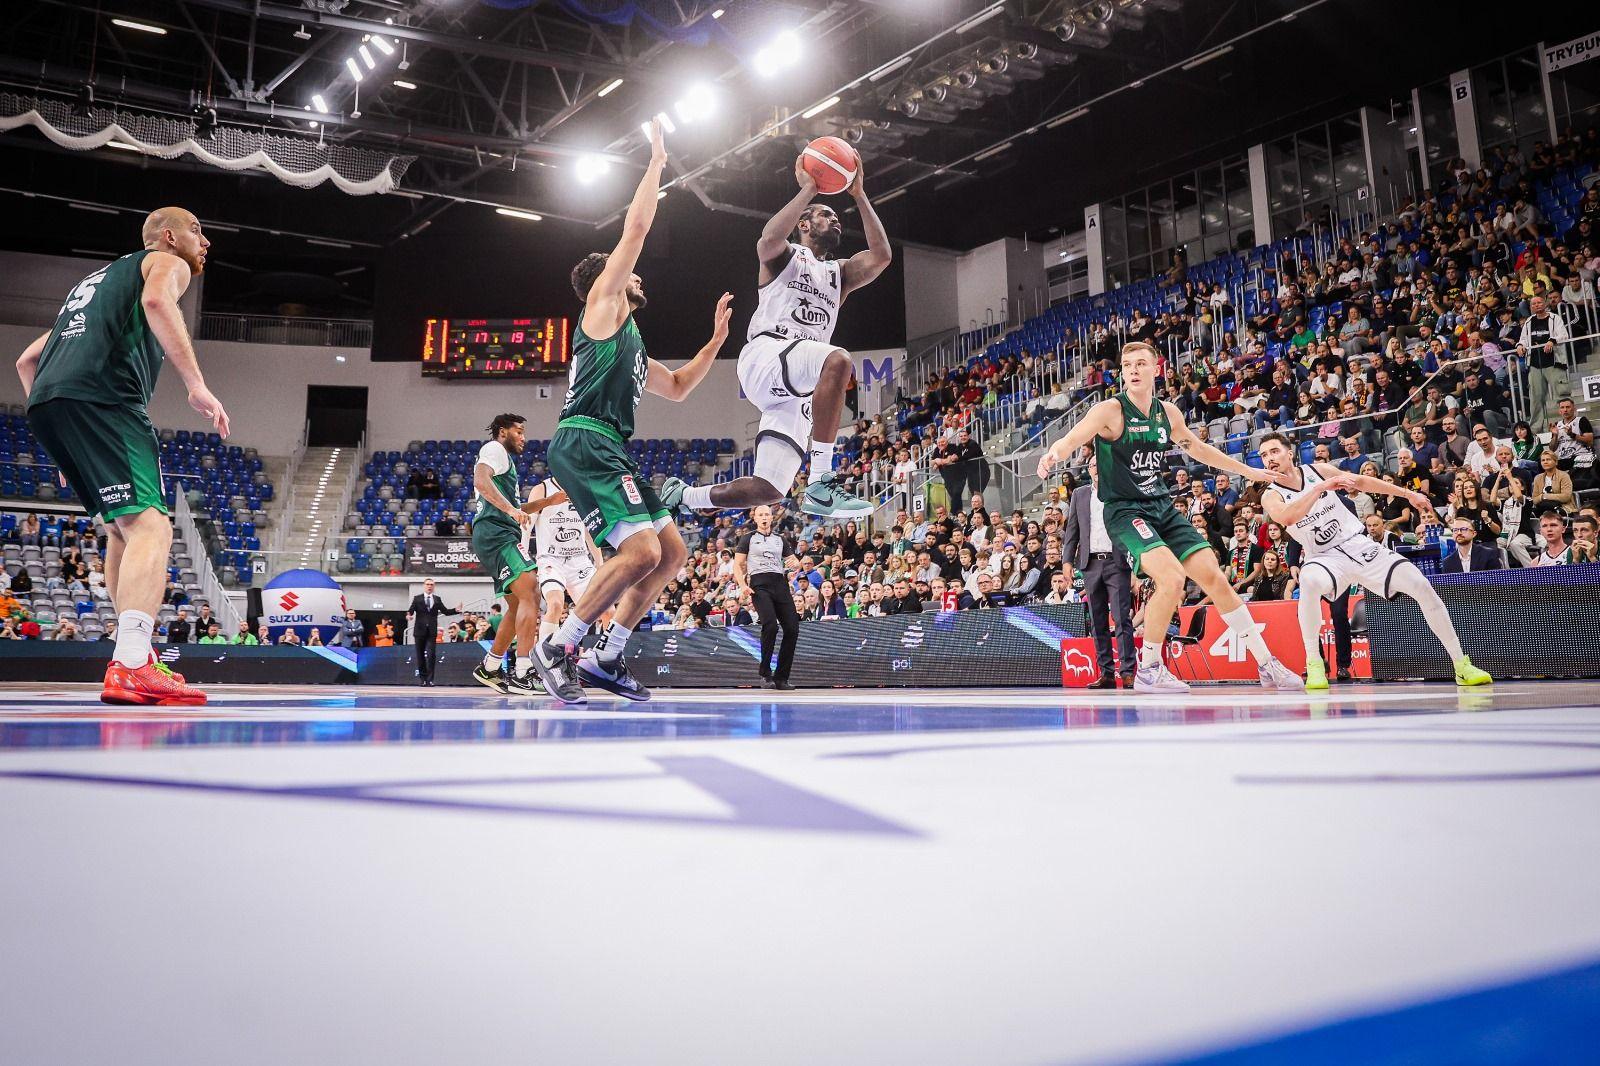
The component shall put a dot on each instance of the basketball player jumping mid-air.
(589, 455)
(790, 367)
(88, 383)
(566, 556)
(1338, 552)
(499, 539)
(1132, 433)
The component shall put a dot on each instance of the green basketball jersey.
(494, 455)
(607, 378)
(101, 348)
(1130, 466)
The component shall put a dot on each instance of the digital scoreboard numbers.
(496, 347)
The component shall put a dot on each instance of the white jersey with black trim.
(557, 531)
(1328, 524)
(802, 302)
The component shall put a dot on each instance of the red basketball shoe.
(149, 685)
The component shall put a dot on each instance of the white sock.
(1411, 581)
(1240, 622)
(493, 662)
(524, 664)
(1314, 584)
(614, 643)
(547, 628)
(821, 458)
(698, 497)
(1150, 654)
(571, 631)
(134, 632)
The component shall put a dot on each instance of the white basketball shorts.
(779, 374)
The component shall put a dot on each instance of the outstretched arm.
(1375, 486)
(772, 249)
(611, 287)
(864, 267)
(1214, 457)
(1085, 431)
(678, 384)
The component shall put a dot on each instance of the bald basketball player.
(88, 383)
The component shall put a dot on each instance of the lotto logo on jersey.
(630, 490)
(1143, 529)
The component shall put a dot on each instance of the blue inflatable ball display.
(303, 600)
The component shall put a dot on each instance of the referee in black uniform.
(759, 564)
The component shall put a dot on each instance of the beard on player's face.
(825, 239)
(636, 297)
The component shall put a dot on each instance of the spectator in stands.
(1454, 445)
(290, 638)
(1572, 436)
(430, 489)
(1525, 444)
(203, 622)
(214, 634)
(446, 526)
(733, 614)
(66, 629)
(110, 633)
(1552, 486)
(175, 596)
(1469, 556)
(383, 634)
(1585, 537)
(244, 637)
(263, 635)
(1274, 581)
(28, 531)
(179, 629)
(1484, 403)
(8, 629)
(1541, 348)
(352, 631)
(698, 607)
(1480, 457)
(1553, 531)
(905, 599)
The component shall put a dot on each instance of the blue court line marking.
(1554, 1017)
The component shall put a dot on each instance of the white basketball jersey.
(802, 302)
(558, 531)
(1328, 524)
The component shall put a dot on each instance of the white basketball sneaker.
(1274, 675)
(1157, 679)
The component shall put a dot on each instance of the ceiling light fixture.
(888, 68)
(981, 17)
(350, 65)
(400, 83)
(514, 213)
(612, 86)
(318, 104)
(1064, 119)
(590, 168)
(366, 57)
(813, 112)
(1215, 53)
(996, 150)
(142, 27)
(383, 46)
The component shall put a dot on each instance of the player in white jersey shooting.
(1338, 553)
(567, 557)
(790, 368)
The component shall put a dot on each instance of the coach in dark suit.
(1476, 556)
(1107, 581)
(424, 613)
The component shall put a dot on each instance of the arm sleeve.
(493, 454)
(743, 547)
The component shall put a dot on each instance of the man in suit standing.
(1469, 556)
(424, 615)
(1107, 581)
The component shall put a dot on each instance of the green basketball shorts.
(604, 484)
(499, 549)
(109, 454)
(1140, 525)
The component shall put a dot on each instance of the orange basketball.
(832, 164)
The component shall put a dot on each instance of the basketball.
(831, 163)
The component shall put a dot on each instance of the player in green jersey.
(497, 539)
(589, 456)
(88, 383)
(1132, 433)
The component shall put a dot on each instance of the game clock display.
(495, 347)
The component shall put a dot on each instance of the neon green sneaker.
(1469, 675)
(1316, 675)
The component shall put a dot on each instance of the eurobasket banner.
(438, 556)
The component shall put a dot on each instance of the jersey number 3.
(79, 297)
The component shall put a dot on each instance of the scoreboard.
(496, 347)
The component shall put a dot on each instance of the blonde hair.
(1144, 346)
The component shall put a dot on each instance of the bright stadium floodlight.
(698, 103)
(511, 212)
(590, 168)
(318, 104)
(401, 84)
(142, 27)
(383, 46)
(350, 65)
(813, 112)
(612, 86)
(366, 57)
(778, 56)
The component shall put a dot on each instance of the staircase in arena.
(313, 506)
